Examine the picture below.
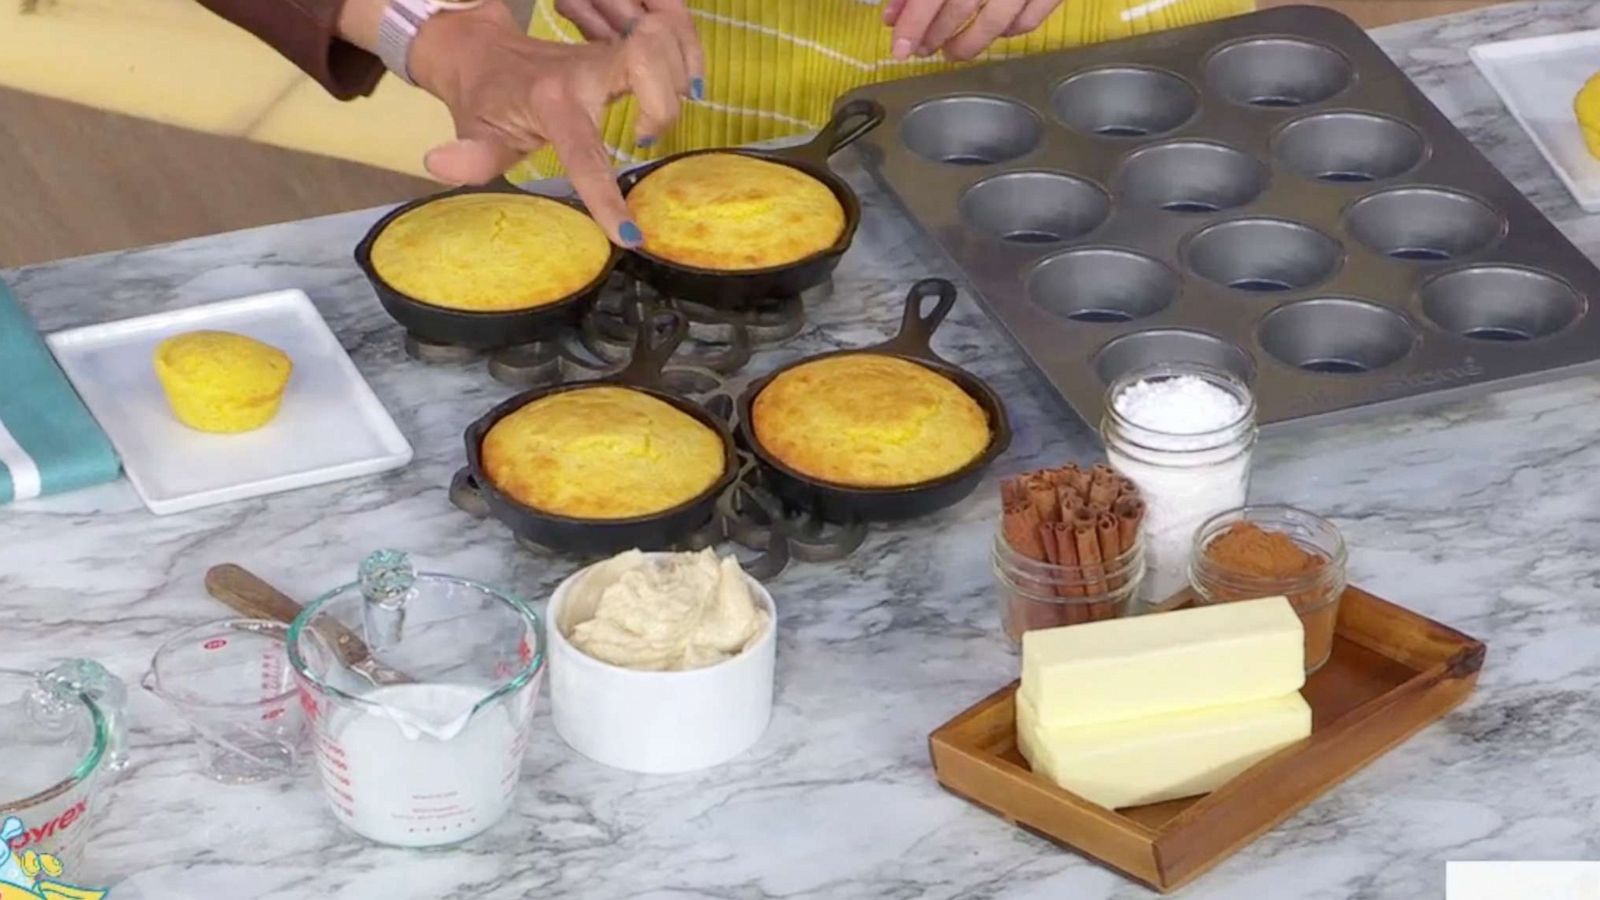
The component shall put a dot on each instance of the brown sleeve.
(306, 32)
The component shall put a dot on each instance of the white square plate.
(331, 425)
(1537, 79)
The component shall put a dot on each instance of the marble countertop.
(1481, 514)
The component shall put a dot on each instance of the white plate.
(1537, 79)
(330, 427)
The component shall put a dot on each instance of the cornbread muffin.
(729, 212)
(867, 420)
(222, 382)
(602, 453)
(1587, 107)
(490, 252)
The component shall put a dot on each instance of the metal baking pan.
(1268, 194)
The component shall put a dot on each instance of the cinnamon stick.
(1047, 540)
(1043, 495)
(1067, 557)
(1130, 516)
(1110, 547)
(1019, 524)
(1103, 493)
(1011, 490)
(1088, 543)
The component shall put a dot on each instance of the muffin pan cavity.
(971, 131)
(1102, 284)
(1263, 255)
(1349, 147)
(1035, 207)
(1336, 336)
(1265, 194)
(1144, 349)
(1424, 224)
(1190, 177)
(1125, 102)
(1500, 303)
(1281, 73)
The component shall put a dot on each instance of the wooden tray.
(1392, 672)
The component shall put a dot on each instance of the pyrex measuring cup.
(230, 681)
(61, 737)
(419, 689)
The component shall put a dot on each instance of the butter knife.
(241, 590)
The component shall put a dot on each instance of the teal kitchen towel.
(48, 441)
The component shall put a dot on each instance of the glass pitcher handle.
(60, 686)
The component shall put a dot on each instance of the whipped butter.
(664, 612)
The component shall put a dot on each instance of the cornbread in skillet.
(602, 453)
(222, 382)
(729, 212)
(490, 252)
(869, 420)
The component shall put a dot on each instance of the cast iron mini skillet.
(567, 534)
(478, 330)
(738, 289)
(843, 503)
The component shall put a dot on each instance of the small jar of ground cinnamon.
(1269, 551)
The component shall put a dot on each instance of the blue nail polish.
(697, 88)
(645, 142)
(631, 235)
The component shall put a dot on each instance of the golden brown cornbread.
(730, 212)
(490, 252)
(222, 382)
(868, 420)
(602, 453)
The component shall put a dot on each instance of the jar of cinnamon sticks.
(1070, 548)
(1270, 551)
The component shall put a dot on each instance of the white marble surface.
(1480, 514)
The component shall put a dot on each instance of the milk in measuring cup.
(417, 769)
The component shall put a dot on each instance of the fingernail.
(645, 141)
(697, 88)
(631, 235)
(627, 28)
(902, 48)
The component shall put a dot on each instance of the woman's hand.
(510, 95)
(961, 28)
(607, 20)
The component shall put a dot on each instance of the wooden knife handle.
(247, 594)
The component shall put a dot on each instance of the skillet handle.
(850, 122)
(916, 330)
(660, 332)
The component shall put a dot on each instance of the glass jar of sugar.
(1184, 434)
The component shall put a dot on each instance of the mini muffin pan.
(1267, 194)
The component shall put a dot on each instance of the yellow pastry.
(222, 382)
(730, 212)
(1587, 107)
(602, 453)
(490, 252)
(868, 420)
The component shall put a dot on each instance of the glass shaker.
(1185, 476)
(63, 737)
(419, 692)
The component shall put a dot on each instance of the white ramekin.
(660, 722)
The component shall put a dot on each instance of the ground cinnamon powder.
(1247, 549)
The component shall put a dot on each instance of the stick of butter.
(1140, 761)
(1164, 662)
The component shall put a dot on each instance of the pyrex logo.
(33, 836)
(26, 874)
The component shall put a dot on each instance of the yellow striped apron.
(775, 67)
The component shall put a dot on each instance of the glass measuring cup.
(61, 739)
(419, 689)
(230, 681)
